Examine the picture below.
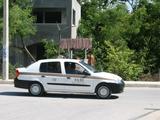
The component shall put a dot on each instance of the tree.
(145, 40)
(108, 26)
(1, 18)
(120, 60)
(21, 21)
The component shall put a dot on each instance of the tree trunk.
(27, 51)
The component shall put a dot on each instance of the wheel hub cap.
(103, 92)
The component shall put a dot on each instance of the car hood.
(106, 75)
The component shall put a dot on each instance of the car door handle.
(43, 76)
(68, 77)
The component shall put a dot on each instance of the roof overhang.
(78, 43)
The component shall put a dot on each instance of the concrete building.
(56, 19)
(52, 14)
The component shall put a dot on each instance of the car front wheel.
(103, 92)
(36, 89)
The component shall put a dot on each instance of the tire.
(36, 89)
(103, 91)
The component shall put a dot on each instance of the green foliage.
(145, 41)
(20, 18)
(12, 72)
(21, 22)
(109, 29)
(120, 60)
(21, 3)
(51, 48)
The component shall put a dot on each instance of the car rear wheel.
(36, 89)
(103, 91)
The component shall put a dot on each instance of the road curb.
(127, 83)
(142, 84)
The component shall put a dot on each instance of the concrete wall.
(51, 3)
(50, 30)
(75, 6)
(68, 30)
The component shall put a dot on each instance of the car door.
(52, 77)
(78, 78)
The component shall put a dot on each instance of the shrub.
(120, 60)
(12, 69)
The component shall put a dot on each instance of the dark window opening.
(40, 51)
(50, 67)
(39, 16)
(53, 17)
(74, 17)
(47, 16)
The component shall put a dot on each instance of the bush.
(51, 48)
(12, 71)
(120, 60)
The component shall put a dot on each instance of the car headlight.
(119, 81)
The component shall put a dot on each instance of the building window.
(74, 17)
(48, 16)
(52, 17)
(39, 16)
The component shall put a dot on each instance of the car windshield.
(88, 66)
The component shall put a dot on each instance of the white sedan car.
(67, 75)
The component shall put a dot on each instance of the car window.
(50, 67)
(88, 66)
(73, 68)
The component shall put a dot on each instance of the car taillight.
(17, 73)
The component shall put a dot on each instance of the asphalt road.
(133, 104)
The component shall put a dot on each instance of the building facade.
(54, 16)
(55, 19)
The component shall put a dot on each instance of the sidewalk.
(10, 81)
(127, 83)
(142, 84)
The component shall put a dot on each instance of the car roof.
(62, 60)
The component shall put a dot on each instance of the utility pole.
(5, 75)
(59, 34)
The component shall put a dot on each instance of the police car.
(67, 76)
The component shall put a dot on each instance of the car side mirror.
(86, 72)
